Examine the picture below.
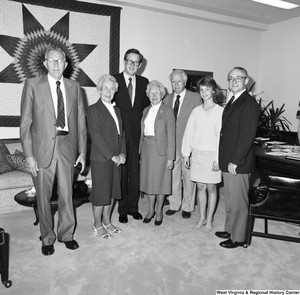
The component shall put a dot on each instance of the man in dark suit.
(131, 100)
(237, 157)
(183, 193)
(52, 131)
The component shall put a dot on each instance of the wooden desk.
(275, 165)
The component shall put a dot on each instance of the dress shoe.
(71, 245)
(170, 212)
(147, 220)
(136, 215)
(158, 222)
(222, 234)
(186, 214)
(230, 244)
(123, 218)
(48, 250)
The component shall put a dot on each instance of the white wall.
(169, 41)
(280, 67)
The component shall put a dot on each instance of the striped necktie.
(130, 88)
(228, 105)
(60, 121)
(176, 106)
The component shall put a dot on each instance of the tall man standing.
(52, 131)
(236, 156)
(131, 99)
(183, 102)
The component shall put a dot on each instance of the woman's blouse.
(202, 131)
(150, 120)
(110, 107)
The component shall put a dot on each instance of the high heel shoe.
(147, 220)
(158, 222)
(107, 235)
(114, 230)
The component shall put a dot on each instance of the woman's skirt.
(155, 178)
(201, 167)
(106, 182)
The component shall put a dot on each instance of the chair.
(4, 258)
(278, 200)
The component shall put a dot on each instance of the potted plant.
(271, 121)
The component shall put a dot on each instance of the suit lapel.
(69, 96)
(184, 107)
(46, 93)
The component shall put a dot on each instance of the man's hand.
(170, 164)
(232, 168)
(32, 164)
(81, 159)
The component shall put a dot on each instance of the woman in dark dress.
(108, 152)
(157, 149)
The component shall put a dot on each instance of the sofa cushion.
(17, 161)
(4, 165)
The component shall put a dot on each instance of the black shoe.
(71, 245)
(230, 244)
(136, 215)
(147, 220)
(186, 214)
(170, 212)
(158, 223)
(222, 234)
(48, 250)
(123, 218)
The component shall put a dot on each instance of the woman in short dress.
(107, 154)
(200, 150)
(157, 149)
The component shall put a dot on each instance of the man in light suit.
(183, 192)
(53, 133)
(131, 100)
(237, 157)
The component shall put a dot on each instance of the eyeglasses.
(156, 93)
(53, 61)
(236, 79)
(107, 89)
(131, 62)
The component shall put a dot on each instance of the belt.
(61, 133)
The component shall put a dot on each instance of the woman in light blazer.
(157, 150)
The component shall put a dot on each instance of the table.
(278, 165)
(80, 196)
(4, 258)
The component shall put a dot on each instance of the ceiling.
(242, 9)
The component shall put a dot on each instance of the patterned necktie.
(130, 88)
(176, 106)
(60, 121)
(228, 105)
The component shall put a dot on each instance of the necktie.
(176, 106)
(60, 121)
(130, 88)
(228, 105)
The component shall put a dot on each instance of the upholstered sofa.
(14, 176)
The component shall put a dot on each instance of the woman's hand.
(215, 166)
(186, 162)
(170, 164)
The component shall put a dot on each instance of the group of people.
(143, 142)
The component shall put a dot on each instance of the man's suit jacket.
(191, 100)
(238, 131)
(132, 115)
(164, 128)
(104, 133)
(38, 120)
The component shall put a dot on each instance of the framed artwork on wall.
(194, 77)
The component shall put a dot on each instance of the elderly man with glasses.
(236, 156)
(131, 100)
